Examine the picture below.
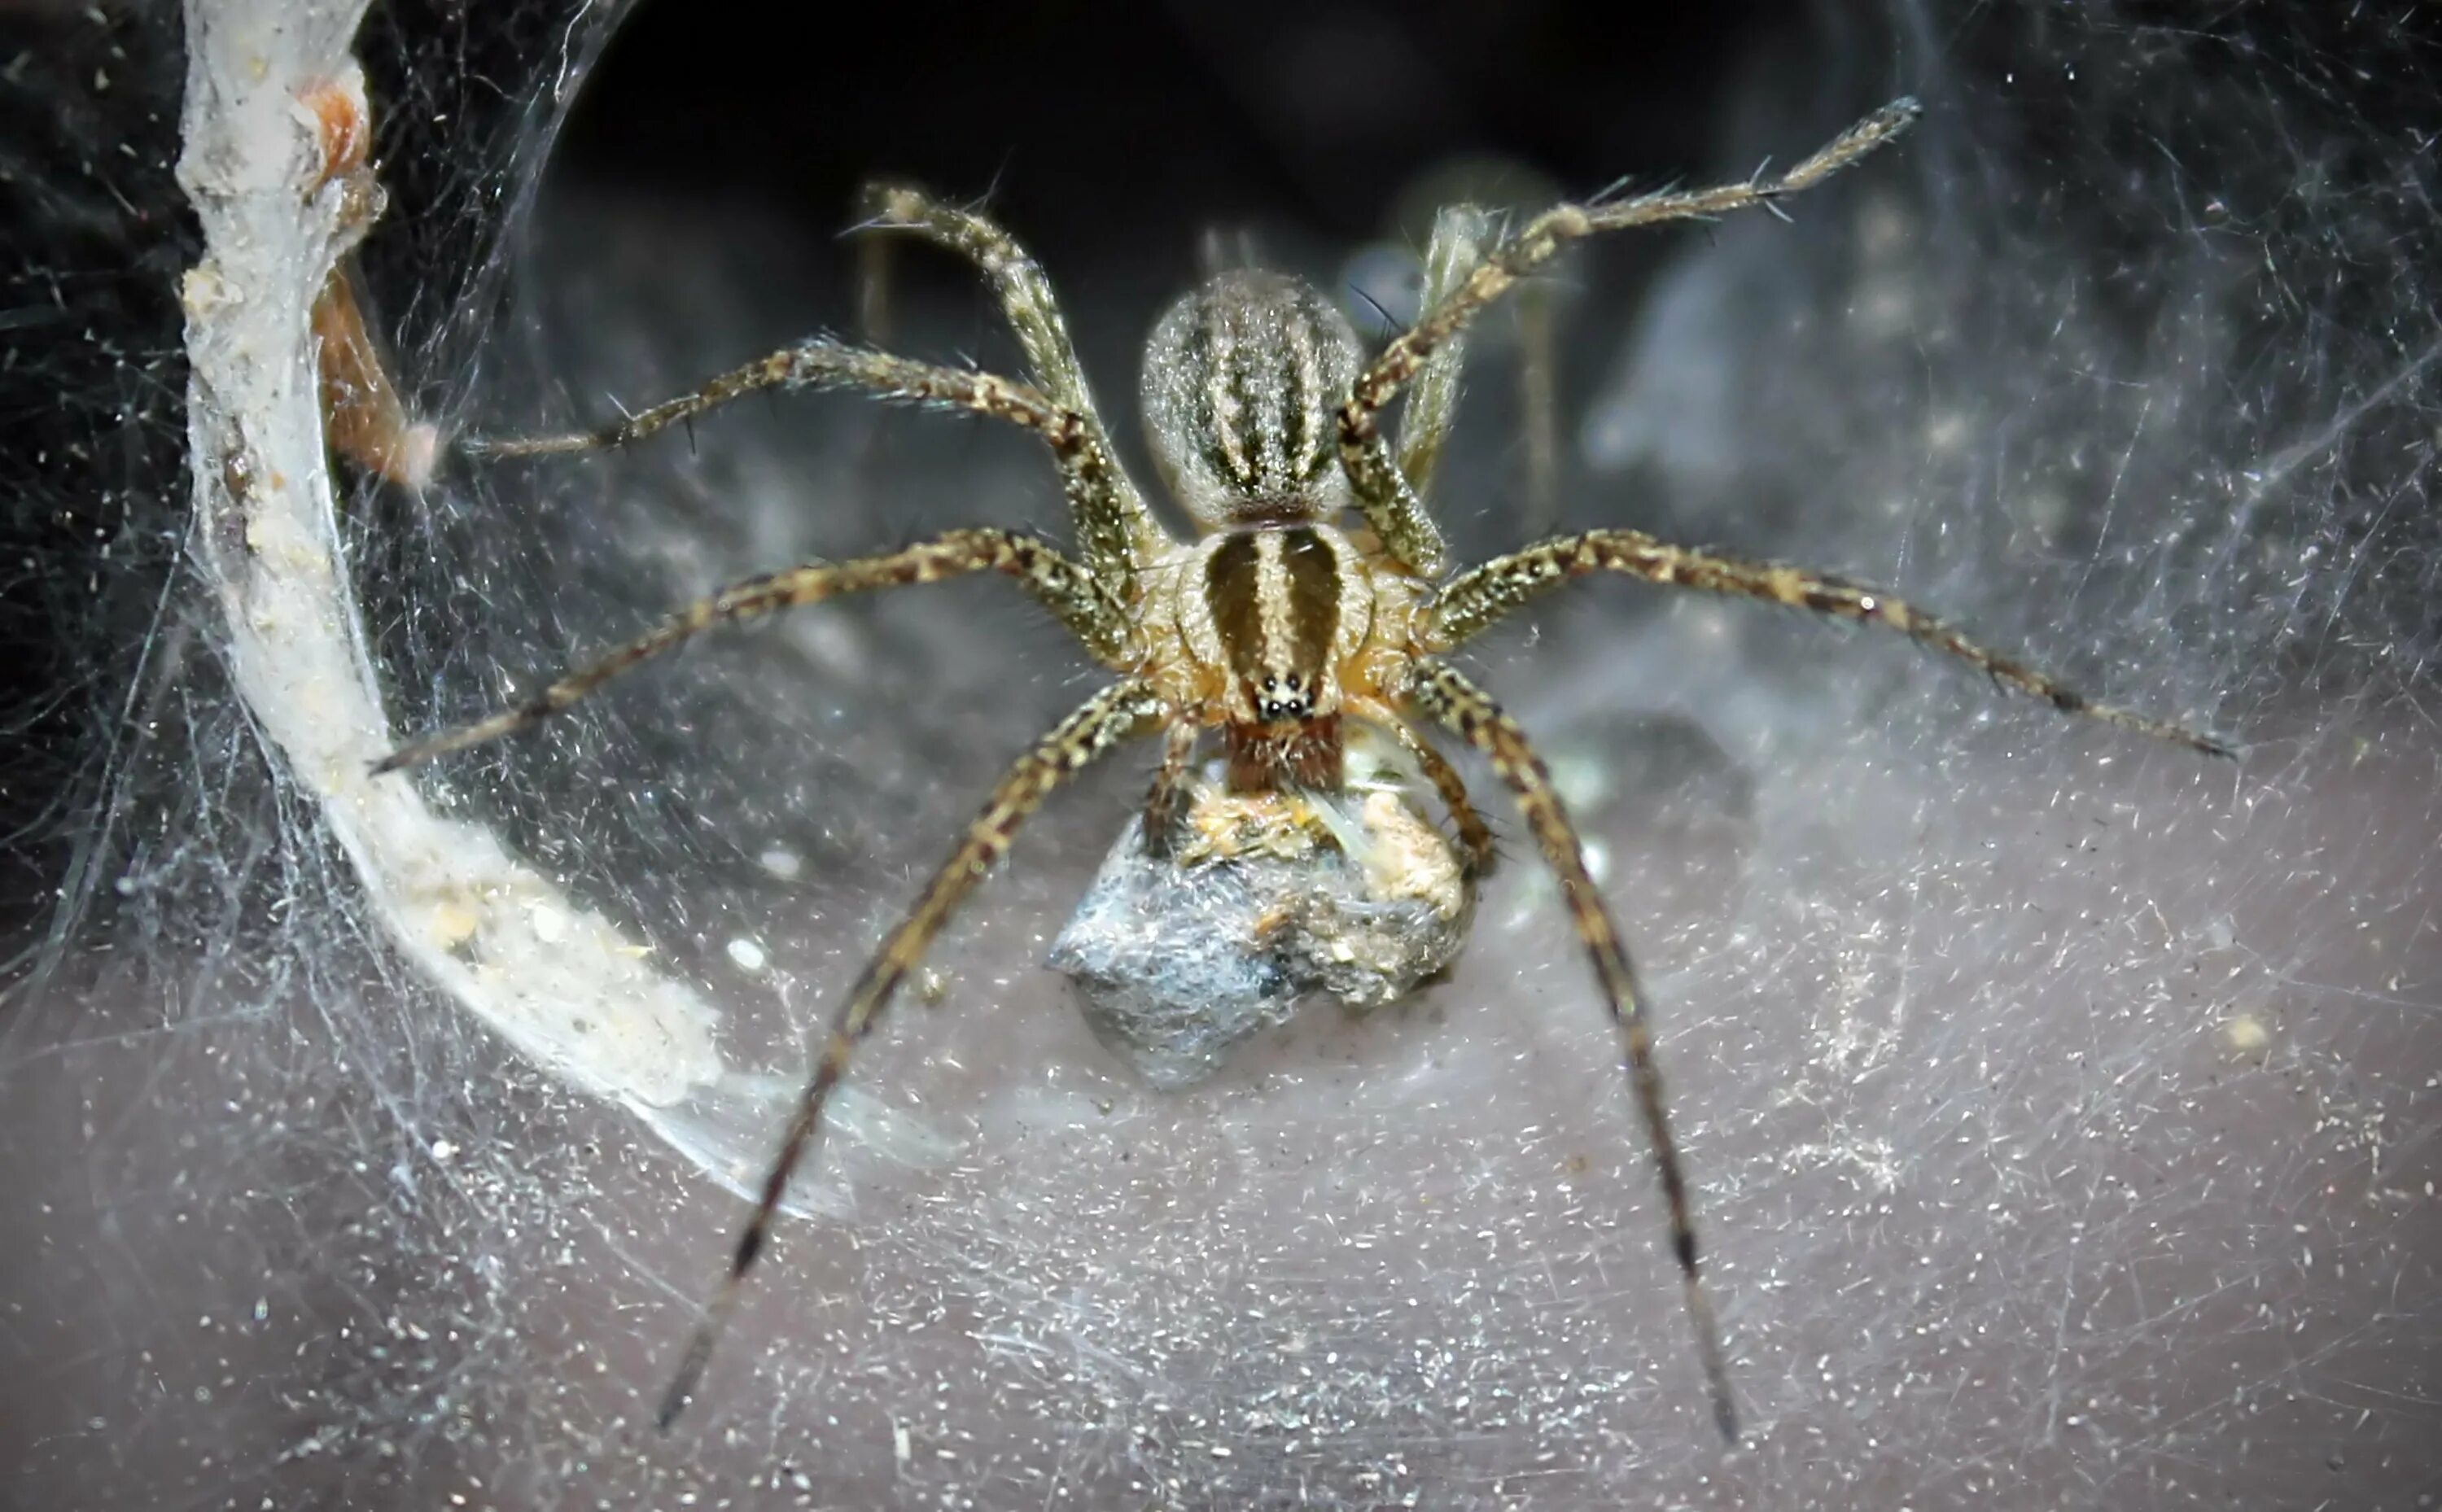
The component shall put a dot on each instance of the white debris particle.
(748, 955)
(550, 923)
(2245, 1034)
(782, 863)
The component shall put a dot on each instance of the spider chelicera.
(1274, 625)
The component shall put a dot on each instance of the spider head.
(1243, 382)
(1273, 598)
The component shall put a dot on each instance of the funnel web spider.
(1274, 625)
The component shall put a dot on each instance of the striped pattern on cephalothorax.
(1275, 597)
(1270, 616)
(1243, 382)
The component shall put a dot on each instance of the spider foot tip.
(889, 205)
(668, 1415)
(1725, 1418)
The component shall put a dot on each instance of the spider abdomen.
(1243, 382)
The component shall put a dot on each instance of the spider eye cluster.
(1283, 698)
(1244, 378)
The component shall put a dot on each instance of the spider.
(1275, 625)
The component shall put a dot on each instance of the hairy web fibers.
(2062, 1108)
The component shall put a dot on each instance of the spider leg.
(1114, 529)
(1057, 583)
(1087, 469)
(1461, 232)
(1474, 835)
(1110, 717)
(1538, 402)
(1441, 691)
(817, 362)
(1017, 280)
(1382, 491)
(363, 414)
(1477, 598)
(1388, 500)
(1169, 787)
(874, 262)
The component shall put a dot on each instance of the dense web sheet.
(2062, 1107)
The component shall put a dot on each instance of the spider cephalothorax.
(1275, 625)
(1266, 628)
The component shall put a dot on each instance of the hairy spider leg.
(1110, 717)
(1169, 788)
(366, 420)
(1059, 584)
(1389, 504)
(1440, 690)
(1086, 470)
(1116, 533)
(1461, 232)
(1382, 491)
(1482, 596)
(1539, 402)
(1474, 835)
(1540, 240)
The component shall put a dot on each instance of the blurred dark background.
(1145, 123)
